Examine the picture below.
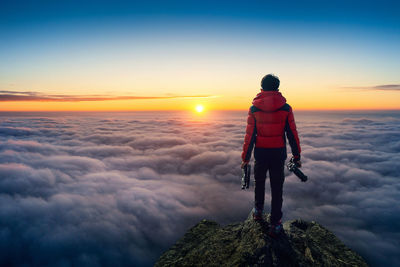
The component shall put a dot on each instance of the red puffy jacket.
(268, 120)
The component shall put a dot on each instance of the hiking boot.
(257, 214)
(275, 229)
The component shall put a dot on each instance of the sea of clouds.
(120, 188)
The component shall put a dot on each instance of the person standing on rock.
(269, 119)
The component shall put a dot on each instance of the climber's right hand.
(244, 163)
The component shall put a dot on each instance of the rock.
(248, 244)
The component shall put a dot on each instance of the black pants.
(274, 164)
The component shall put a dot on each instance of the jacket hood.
(269, 100)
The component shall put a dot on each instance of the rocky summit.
(248, 244)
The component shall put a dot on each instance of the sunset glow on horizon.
(199, 108)
(344, 101)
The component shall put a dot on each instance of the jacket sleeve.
(293, 137)
(250, 137)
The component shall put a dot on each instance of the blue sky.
(382, 14)
(216, 45)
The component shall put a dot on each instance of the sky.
(174, 55)
(118, 189)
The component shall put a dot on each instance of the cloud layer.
(120, 188)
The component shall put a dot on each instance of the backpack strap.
(254, 109)
(285, 107)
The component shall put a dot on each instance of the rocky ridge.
(248, 244)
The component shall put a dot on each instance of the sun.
(199, 108)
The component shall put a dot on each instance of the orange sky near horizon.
(322, 100)
(230, 94)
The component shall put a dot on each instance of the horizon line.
(212, 110)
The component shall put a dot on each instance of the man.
(269, 119)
